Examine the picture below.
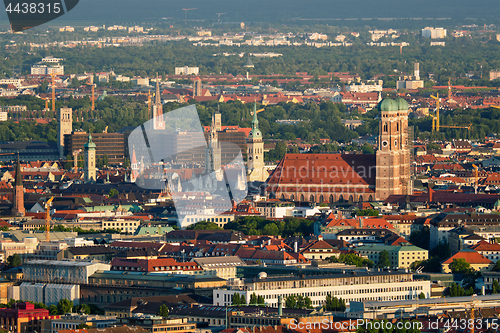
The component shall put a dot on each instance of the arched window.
(350, 198)
(311, 198)
(370, 198)
(341, 198)
(332, 200)
(301, 198)
(385, 127)
(292, 197)
(397, 127)
(282, 196)
(321, 199)
(360, 198)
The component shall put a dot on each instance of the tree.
(496, 268)
(83, 308)
(239, 300)
(53, 310)
(366, 212)
(383, 259)
(460, 266)
(163, 311)
(455, 290)
(203, 225)
(421, 238)
(334, 304)
(113, 192)
(298, 302)
(352, 259)
(64, 306)
(14, 261)
(421, 296)
(495, 287)
(367, 149)
(256, 300)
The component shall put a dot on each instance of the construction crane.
(93, 97)
(186, 13)
(454, 126)
(476, 177)
(218, 16)
(47, 219)
(93, 93)
(435, 120)
(53, 91)
(472, 314)
(75, 159)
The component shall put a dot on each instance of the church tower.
(213, 155)
(157, 109)
(197, 90)
(18, 208)
(255, 152)
(393, 154)
(89, 169)
(65, 126)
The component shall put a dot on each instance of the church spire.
(19, 176)
(18, 207)
(255, 121)
(157, 94)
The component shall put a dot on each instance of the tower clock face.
(249, 158)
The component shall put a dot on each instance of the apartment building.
(354, 286)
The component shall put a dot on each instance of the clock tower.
(89, 167)
(393, 154)
(255, 152)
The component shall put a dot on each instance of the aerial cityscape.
(254, 167)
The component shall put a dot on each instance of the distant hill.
(138, 11)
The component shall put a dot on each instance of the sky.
(283, 11)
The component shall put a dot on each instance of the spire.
(19, 176)
(89, 143)
(157, 94)
(255, 121)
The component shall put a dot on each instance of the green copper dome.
(90, 144)
(402, 104)
(388, 104)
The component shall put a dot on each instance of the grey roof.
(69, 263)
(19, 235)
(219, 261)
(248, 63)
(430, 302)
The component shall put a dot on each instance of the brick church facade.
(318, 178)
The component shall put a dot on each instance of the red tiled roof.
(470, 256)
(484, 246)
(321, 169)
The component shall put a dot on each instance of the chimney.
(340, 215)
(280, 306)
(430, 193)
(295, 246)
(320, 237)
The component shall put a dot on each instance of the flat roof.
(330, 276)
(430, 302)
(60, 263)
